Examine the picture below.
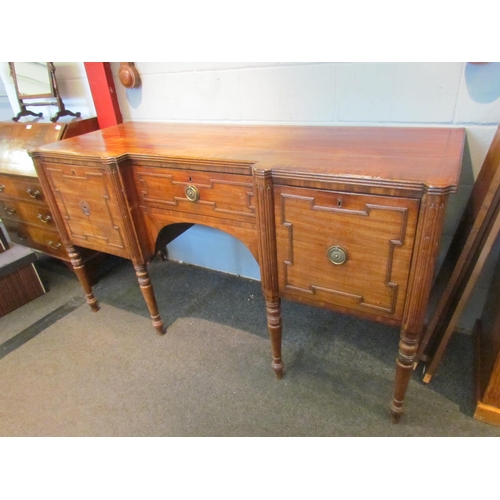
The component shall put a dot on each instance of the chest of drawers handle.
(55, 247)
(33, 194)
(2, 188)
(9, 211)
(45, 219)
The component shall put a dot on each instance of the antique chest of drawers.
(347, 218)
(23, 206)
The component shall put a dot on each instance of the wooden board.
(464, 261)
(487, 370)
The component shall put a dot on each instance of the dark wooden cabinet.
(346, 218)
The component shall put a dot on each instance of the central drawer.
(345, 250)
(212, 194)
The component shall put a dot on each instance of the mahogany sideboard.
(23, 207)
(346, 218)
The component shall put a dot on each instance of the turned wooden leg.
(275, 326)
(149, 296)
(408, 346)
(81, 274)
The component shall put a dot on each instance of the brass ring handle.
(55, 247)
(45, 219)
(192, 193)
(337, 255)
(33, 194)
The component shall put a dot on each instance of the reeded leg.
(268, 262)
(149, 296)
(404, 367)
(79, 268)
(427, 238)
(275, 326)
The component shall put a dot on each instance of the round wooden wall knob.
(129, 76)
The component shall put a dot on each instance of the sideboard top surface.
(411, 156)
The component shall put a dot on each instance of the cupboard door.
(347, 250)
(89, 205)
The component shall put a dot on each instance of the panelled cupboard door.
(351, 251)
(89, 206)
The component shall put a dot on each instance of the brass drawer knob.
(2, 188)
(192, 193)
(33, 194)
(337, 255)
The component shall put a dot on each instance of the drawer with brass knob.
(213, 194)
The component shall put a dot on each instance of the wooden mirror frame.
(54, 92)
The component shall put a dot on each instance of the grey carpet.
(61, 286)
(109, 374)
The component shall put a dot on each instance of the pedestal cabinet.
(351, 250)
(347, 218)
(23, 206)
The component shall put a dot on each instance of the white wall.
(5, 108)
(382, 94)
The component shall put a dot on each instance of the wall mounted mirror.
(34, 81)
